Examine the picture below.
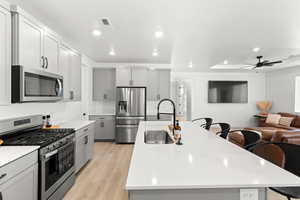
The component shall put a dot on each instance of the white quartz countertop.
(102, 114)
(76, 124)
(11, 153)
(204, 161)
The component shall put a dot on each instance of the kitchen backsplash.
(60, 112)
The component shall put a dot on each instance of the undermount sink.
(157, 137)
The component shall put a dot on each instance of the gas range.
(40, 137)
(56, 153)
(47, 139)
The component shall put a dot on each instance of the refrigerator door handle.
(130, 117)
(127, 126)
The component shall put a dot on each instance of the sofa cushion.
(267, 132)
(286, 121)
(284, 127)
(283, 114)
(273, 118)
(292, 137)
(297, 122)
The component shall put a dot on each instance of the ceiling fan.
(265, 63)
(259, 65)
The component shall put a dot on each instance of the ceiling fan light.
(256, 49)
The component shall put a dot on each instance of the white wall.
(280, 89)
(60, 112)
(238, 115)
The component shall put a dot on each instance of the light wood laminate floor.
(104, 177)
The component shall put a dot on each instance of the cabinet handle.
(102, 124)
(46, 63)
(2, 176)
(43, 61)
(86, 139)
(85, 130)
(158, 97)
(105, 96)
(71, 95)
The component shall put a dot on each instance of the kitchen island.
(204, 167)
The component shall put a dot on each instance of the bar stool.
(244, 138)
(224, 129)
(205, 122)
(283, 155)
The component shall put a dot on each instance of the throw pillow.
(273, 119)
(286, 121)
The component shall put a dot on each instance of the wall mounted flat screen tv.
(228, 92)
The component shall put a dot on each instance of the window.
(297, 94)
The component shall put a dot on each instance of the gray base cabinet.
(104, 127)
(84, 146)
(21, 179)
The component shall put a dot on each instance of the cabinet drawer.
(14, 168)
(83, 131)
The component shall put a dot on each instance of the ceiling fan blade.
(275, 62)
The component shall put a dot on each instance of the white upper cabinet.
(104, 84)
(27, 48)
(34, 45)
(158, 84)
(123, 76)
(157, 81)
(131, 76)
(139, 76)
(5, 52)
(152, 85)
(64, 69)
(70, 69)
(51, 52)
(75, 76)
(164, 83)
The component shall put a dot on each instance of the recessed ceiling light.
(191, 64)
(96, 32)
(154, 53)
(112, 52)
(256, 49)
(159, 34)
(225, 62)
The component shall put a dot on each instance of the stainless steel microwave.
(31, 85)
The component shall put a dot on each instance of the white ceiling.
(205, 32)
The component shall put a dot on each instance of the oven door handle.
(48, 155)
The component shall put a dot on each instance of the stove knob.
(49, 148)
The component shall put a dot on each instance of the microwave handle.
(60, 88)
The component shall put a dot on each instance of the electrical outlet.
(248, 194)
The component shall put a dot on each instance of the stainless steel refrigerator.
(130, 110)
